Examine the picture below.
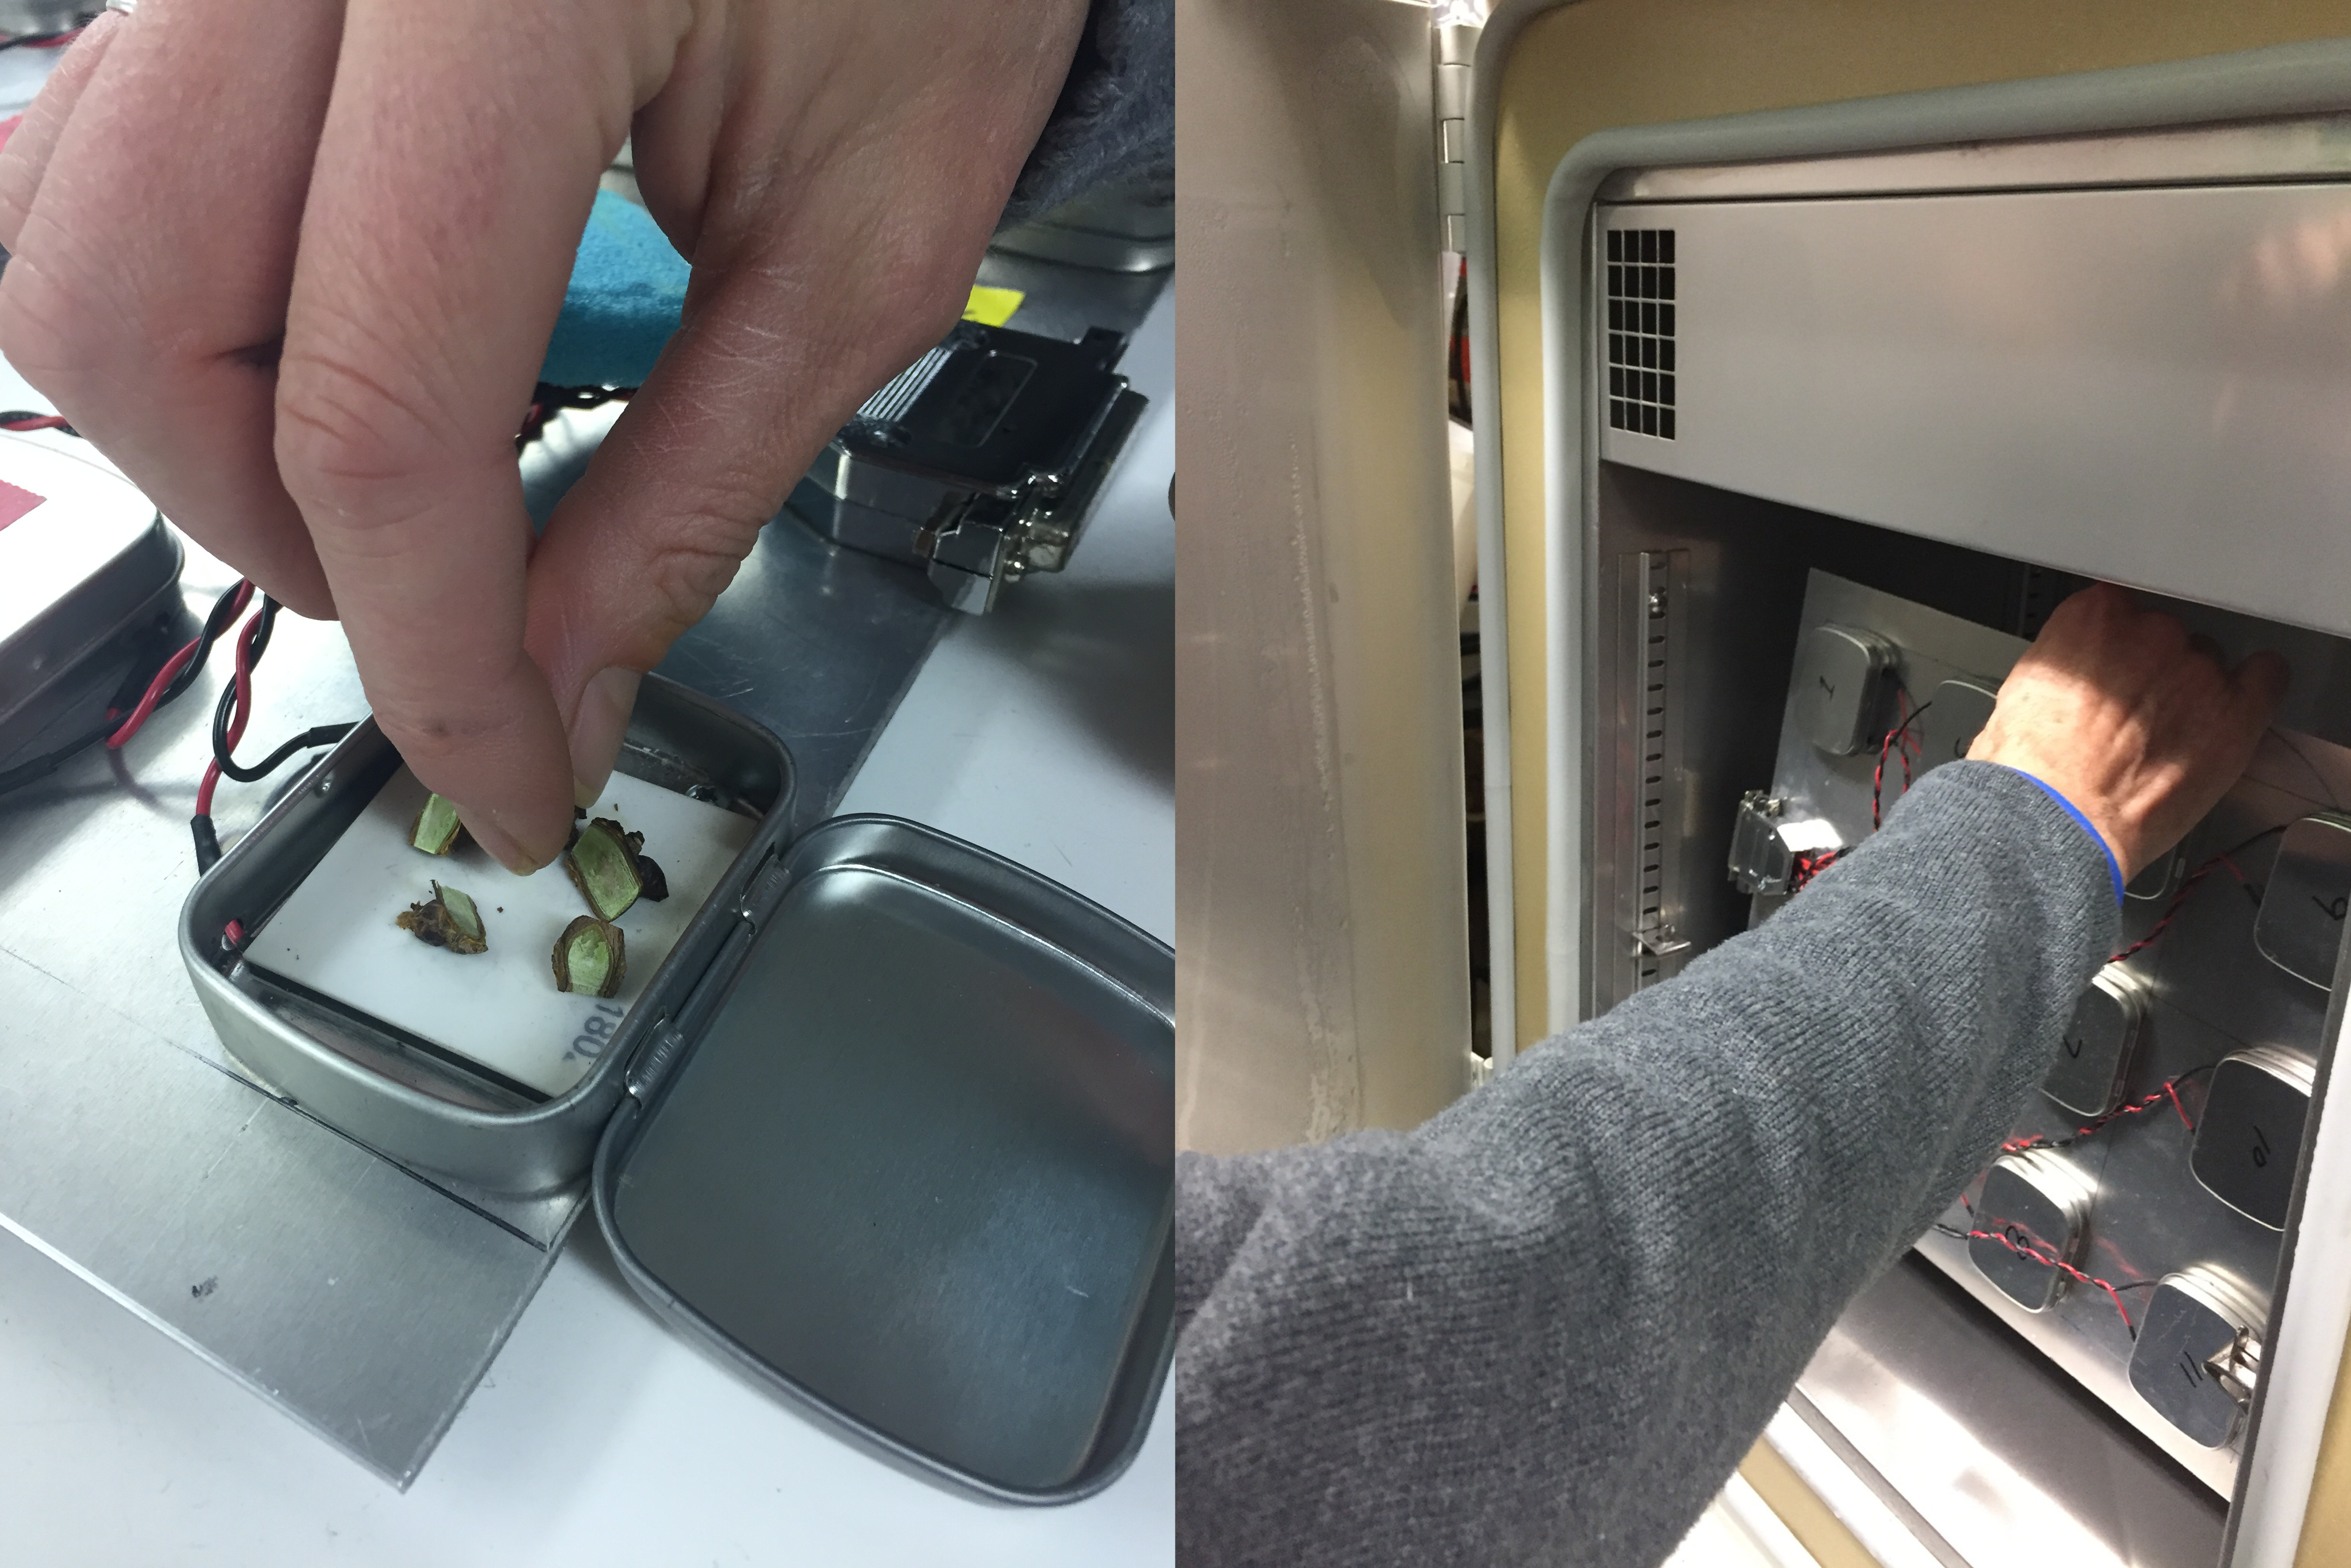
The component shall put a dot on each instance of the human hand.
(2119, 711)
(294, 269)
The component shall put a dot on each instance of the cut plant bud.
(603, 869)
(435, 832)
(449, 919)
(655, 881)
(591, 958)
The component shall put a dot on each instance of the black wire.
(224, 710)
(224, 612)
(224, 706)
(309, 739)
(2237, 849)
(126, 695)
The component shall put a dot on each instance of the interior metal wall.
(1322, 928)
(1552, 73)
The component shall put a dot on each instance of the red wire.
(1898, 740)
(2168, 1090)
(1808, 867)
(59, 42)
(163, 677)
(2063, 1267)
(171, 667)
(243, 711)
(42, 422)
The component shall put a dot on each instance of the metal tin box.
(87, 569)
(890, 1129)
(394, 1093)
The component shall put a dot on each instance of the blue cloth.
(1115, 121)
(628, 288)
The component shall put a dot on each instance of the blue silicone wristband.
(2097, 838)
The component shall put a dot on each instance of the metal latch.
(981, 463)
(2237, 1367)
(1766, 849)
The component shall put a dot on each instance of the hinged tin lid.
(905, 1156)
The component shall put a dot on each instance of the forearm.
(1547, 1323)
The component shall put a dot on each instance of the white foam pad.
(335, 934)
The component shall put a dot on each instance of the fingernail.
(508, 848)
(597, 728)
(500, 844)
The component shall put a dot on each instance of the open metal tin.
(890, 1129)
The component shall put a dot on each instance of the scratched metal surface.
(363, 1299)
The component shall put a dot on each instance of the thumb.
(2261, 682)
(759, 376)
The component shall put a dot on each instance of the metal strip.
(1646, 806)
(1855, 1492)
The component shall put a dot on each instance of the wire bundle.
(2026, 1250)
(124, 716)
(231, 714)
(1901, 743)
(2168, 1090)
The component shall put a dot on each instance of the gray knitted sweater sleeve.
(1545, 1326)
(1116, 119)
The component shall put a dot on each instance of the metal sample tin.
(1951, 720)
(2299, 927)
(1842, 680)
(2032, 1213)
(909, 1160)
(2099, 1040)
(2199, 1353)
(891, 1128)
(396, 1093)
(2249, 1138)
(87, 569)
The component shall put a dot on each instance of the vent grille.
(1641, 331)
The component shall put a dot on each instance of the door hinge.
(1457, 47)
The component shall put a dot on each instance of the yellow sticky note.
(992, 307)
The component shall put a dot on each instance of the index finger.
(446, 206)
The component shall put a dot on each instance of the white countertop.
(1044, 732)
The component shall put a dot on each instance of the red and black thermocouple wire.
(231, 714)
